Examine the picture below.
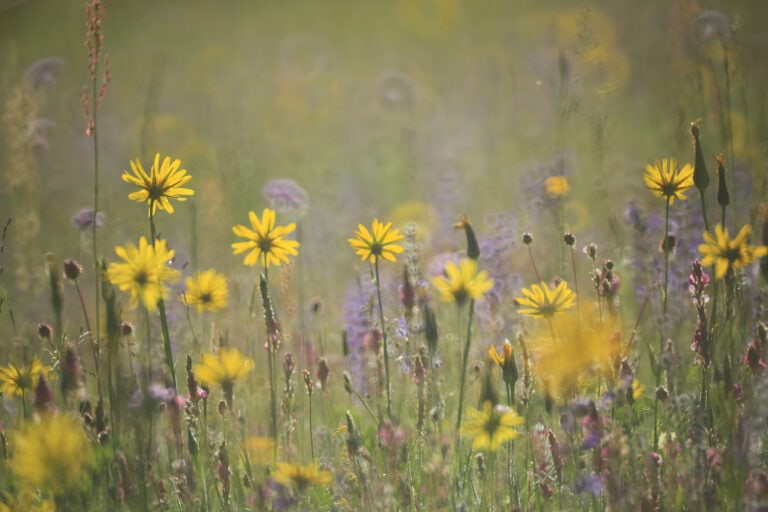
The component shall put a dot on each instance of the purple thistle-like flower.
(83, 220)
(286, 195)
(43, 72)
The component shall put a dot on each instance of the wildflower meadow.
(417, 255)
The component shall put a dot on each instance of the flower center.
(141, 278)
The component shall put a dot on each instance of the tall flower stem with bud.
(95, 12)
(665, 180)
(379, 242)
(72, 271)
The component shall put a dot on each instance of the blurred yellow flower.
(223, 368)
(266, 242)
(585, 349)
(542, 302)
(379, 242)
(637, 389)
(50, 455)
(557, 186)
(207, 291)
(301, 477)
(725, 254)
(259, 450)
(17, 380)
(462, 282)
(491, 427)
(144, 272)
(27, 500)
(163, 182)
(664, 179)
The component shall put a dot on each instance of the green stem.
(96, 269)
(94, 347)
(311, 439)
(465, 358)
(384, 339)
(666, 259)
(168, 354)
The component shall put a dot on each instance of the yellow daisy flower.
(491, 427)
(725, 254)
(163, 182)
(50, 455)
(266, 242)
(379, 242)
(462, 281)
(664, 179)
(542, 302)
(144, 272)
(207, 291)
(301, 477)
(223, 368)
(17, 380)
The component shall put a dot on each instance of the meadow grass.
(450, 327)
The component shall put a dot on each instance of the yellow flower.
(542, 302)
(637, 389)
(379, 242)
(725, 254)
(163, 182)
(27, 500)
(259, 450)
(557, 186)
(301, 477)
(506, 361)
(462, 281)
(17, 380)
(664, 179)
(50, 455)
(207, 291)
(583, 351)
(266, 242)
(491, 427)
(144, 272)
(223, 368)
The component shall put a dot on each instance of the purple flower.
(42, 72)
(285, 195)
(589, 483)
(83, 220)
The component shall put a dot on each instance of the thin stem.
(465, 358)
(533, 262)
(272, 360)
(94, 348)
(168, 354)
(666, 258)
(94, 251)
(575, 281)
(384, 339)
(311, 439)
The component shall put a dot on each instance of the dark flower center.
(141, 278)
